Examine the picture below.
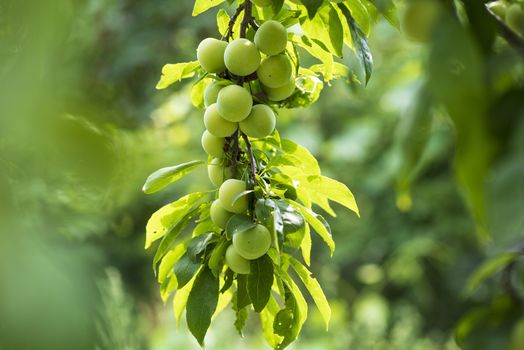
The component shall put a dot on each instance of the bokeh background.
(81, 127)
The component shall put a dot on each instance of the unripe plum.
(253, 243)
(210, 54)
(236, 262)
(234, 103)
(260, 122)
(262, 3)
(217, 173)
(271, 38)
(228, 192)
(217, 125)
(280, 93)
(515, 18)
(219, 215)
(214, 146)
(211, 93)
(275, 71)
(242, 57)
(419, 18)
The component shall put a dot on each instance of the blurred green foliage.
(81, 126)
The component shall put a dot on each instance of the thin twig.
(248, 17)
(252, 161)
(232, 21)
(252, 171)
(234, 154)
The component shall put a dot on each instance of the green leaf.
(242, 299)
(307, 162)
(360, 14)
(318, 223)
(297, 305)
(170, 259)
(222, 21)
(360, 42)
(240, 321)
(172, 73)
(335, 191)
(259, 282)
(316, 49)
(202, 6)
(173, 233)
(228, 280)
(314, 289)
(240, 195)
(267, 320)
(277, 6)
(326, 28)
(488, 269)
(163, 220)
(268, 213)
(180, 300)
(387, 8)
(191, 261)
(217, 256)
(293, 224)
(312, 6)
(201, 304)
(239, 223)
(165, 176)
(197, 93)
(305, 246)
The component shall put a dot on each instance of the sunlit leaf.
(314, 289)
(204, 5)
(360, 42)
(172, 73)
(164, 218)
(201, 304)
(165, 176)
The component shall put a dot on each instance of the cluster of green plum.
(510, 13)
(231, 111)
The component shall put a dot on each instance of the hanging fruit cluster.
(250, 243)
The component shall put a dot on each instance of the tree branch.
(248, 18)
(233, 20)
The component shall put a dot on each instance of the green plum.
(214, 146)
(515, 18)
(280, 93)
(236, 262)
(271, 38)
(210, 54)
(219, 215)
(234, 103)
(419, 18)
(217, 173)
(211, 93)
(228, 191)
(260, 122)
(275, 71)
(242, 57)
(253, 243)
(217, 125)
(498, 8)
